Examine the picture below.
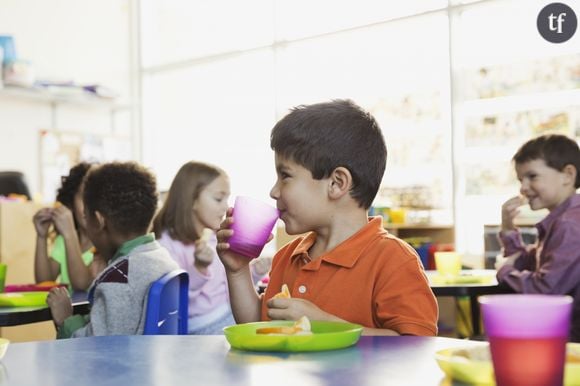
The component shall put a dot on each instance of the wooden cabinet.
(17, 244)
(441, 234)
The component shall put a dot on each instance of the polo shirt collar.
(128, 246)
(346, 253)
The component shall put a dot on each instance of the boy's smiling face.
(301, 199)
(543, 186)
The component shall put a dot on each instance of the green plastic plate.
(325, 336)
(23, 299)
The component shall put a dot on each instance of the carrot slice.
(301, 326)
(277, 330)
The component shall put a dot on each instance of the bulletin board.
(59, 151)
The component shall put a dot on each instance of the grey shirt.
(119, 293)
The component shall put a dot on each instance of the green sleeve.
(58, 253)
(70, 325)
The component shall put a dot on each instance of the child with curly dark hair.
(71, 257)
(120, 200)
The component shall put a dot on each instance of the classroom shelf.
(46, 96)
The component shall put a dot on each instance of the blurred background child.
(547, 168)
(120, 200)
(71, 255)
(193, 210)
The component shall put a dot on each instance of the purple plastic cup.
(253, 223)
(527, 337)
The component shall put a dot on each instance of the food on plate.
(573, 354)
(281, 330)
(473, 353)
(47, 283)
(300, 327)
(283, 294)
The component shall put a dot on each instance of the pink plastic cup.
(527, 337)
(253, 224)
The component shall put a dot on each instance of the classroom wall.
(86, 42)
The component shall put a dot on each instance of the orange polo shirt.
(373, 279)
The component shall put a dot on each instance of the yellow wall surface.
(17, 244)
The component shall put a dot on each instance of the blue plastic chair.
(167, 305)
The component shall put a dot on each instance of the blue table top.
(208, 360)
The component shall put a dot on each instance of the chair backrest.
(167, 305)
(13, 182)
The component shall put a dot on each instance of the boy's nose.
(275, 192)
(524, 187)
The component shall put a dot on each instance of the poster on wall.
(59, 151)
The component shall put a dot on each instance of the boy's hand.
(231, 260)
(509, 211)
(295, 308)
(63, 220)
(60, 305)
(42, 221)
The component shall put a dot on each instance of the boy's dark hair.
(555, 149)
(324, 136)
(71, 184)
(176, 214)
(125, 193)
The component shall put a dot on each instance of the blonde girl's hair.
(176, 214)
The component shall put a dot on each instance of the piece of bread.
(206, 234)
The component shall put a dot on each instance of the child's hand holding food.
(204, 253)
(509, 211)
(42, 221)
(63, 220)
(60, 305)
(284, 307)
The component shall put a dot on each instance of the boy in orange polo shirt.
(330, 159)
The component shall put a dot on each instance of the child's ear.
(340, 182)
(570, 172)
(101, 220)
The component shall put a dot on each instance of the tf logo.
(557, 22)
